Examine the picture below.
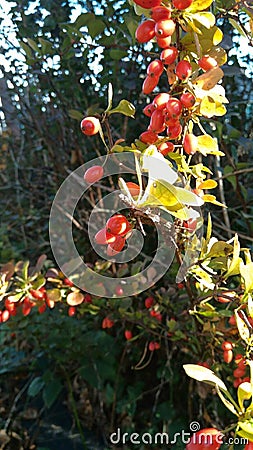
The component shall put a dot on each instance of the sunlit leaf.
(220, 248)
(124, 107)
(201, 373)
(244, 392)
(199, 5)
(75, 298)
(234, 264)
(242, 328)
(207, 145)
(208, 184)
(207, 19)
(209, 79)
(226, 402)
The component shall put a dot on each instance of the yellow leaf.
(209, 107)
(234, 264)
(219, 54)
(246, 271)
(212, 199)
(208, 184)
(244, 393)
(242, 328)
(199, 5)
(209, 79)
(250, 305)
(207, 19)
(207, 146)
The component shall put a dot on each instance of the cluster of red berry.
(166, 111)
(36, 297)
(239, 372)
(114, 235)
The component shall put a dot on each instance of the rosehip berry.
(148, 110)
(190, 144)
(128, 335)
(228, 356)
(149, 301)
(232, 321)
(10, 306)
(42, 308)
(93, 174)
(169, 55)
(239, 373)
(50, 303)
(225, 297)
(119, 290)
(165, 148)
(71, 311)
(160, 13)
(26, 309)
(226, 345)
(133, 188)
(87, 298)
(183, 70)
(175, 130)
(165, 28)
(207, 63)
(174, 108)
(37, 294)
(237, 382)
(163, 42)
(5, 315)
(157, 121)
(149, 84)
(190, 225)
(102, 237)
(155, 68)
(116, 247)
(148, 137)
(249, 446)
(90, 126)
(107, 323)
(204, 364)
(187, 99)
(68, 282)
(148, 4)
(145, 31)
(182, 4)
(151, 346)
(161, 100)
(117, 225)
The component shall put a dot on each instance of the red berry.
(117, 225)
(119, 290)
(107, 323)
(169, 55)
(149, 84)
(204, 364)
(149, 301)
(160, 13)
(87, 298)
(10, 306)
(148, 110)
(207, 63)
(225, 297)
(5, 315)
(26, 309)
(174, 108)
(148, 4)
(163, 42)
(116, 247)
(93, 174)
(157, 121)
(207, 438)
(175, 130)
(155, 68)
(182, 4)
(232, 321)
(165, 148)
(90, 126)
(42, 308)
(68, 282)
(165, 28)
(190, 143)
(239, 373)
(128, 334)
(187, 99)
(37, 294)
(237, 382)
(183, 70)
(133, 188)
(148, 137)
(102, 237)
(249, 446)
(50, 303)
(226, 345)
(228, 356)
(190, 225)
(161, 100)
(145, 31)
(71, 311)
(151, 346)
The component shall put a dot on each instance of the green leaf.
(82, 20)
(238, 27)
(51, 392)
(95, 27)
(220, 248)
(124, 107)
(201, 373)
(226, 402)
(234, 264)
(118, 55)
(74, 114)
(36, 386)
(33, 45)
(26, 49)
